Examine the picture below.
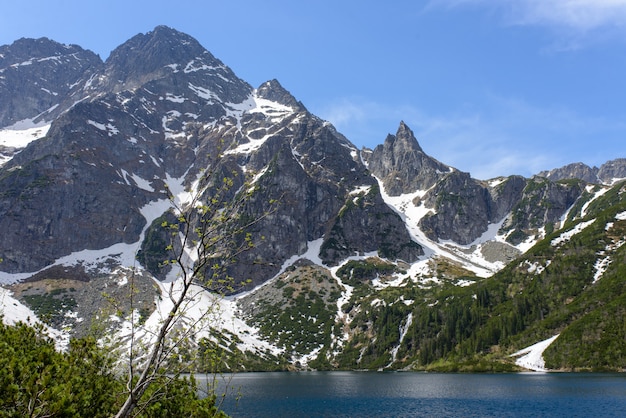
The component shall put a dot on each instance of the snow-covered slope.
(16, 137)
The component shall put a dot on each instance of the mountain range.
(362, 258)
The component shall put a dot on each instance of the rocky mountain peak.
(274, 91)
(608, 172)
(147, 52)
(405, 138)
(167, 53)
(38, 75)
(573, 171)
(402, 166)
(613, 170)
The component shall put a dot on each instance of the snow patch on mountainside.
(312, 254)
(200, 314)
(14, 311)
(273, 111)
(360, 190)
(529, 242)
(532, 356)
(615, 180)
(411, 215)
(600, 267)
(597, 194)
(566, 236)
(602, 264)
(491, 234)
(205, 94)
(193, 66)
(404, 329)
(122, 253)
(109, 128)
(536, 268)
(18, 136)
(138, 181)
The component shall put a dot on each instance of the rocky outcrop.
(272, 90)
(573, 171)
(542, 203)
(366, 225)
(463, 208)
(612, 171)
(402, 166)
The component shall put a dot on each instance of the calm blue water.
(369, 394)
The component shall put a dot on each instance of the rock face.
(40, 78)
(463, 208)
(109, 155)
(612, 171)
(365, 225)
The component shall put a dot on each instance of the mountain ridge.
(133, 135)
(608, 173)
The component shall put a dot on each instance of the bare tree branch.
(205, 239)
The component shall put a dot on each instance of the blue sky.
(493, 87)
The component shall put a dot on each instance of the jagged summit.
(401, 164)
(574, 170)
(167, 53)
(272, 90)
(155, 48)
(124, 130)
(406, 137)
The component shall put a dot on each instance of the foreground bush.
(36, 380)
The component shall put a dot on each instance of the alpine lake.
(411, 394)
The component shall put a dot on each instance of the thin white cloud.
(579, 15)
(582, 15)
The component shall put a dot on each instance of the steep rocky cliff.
(40, 79)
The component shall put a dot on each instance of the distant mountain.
(383, 258)
(608, 173)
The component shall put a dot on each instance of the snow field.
(532, 356)
(19, 135)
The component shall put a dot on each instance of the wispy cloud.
(506, 136)
(575, 18)
(577, 14)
